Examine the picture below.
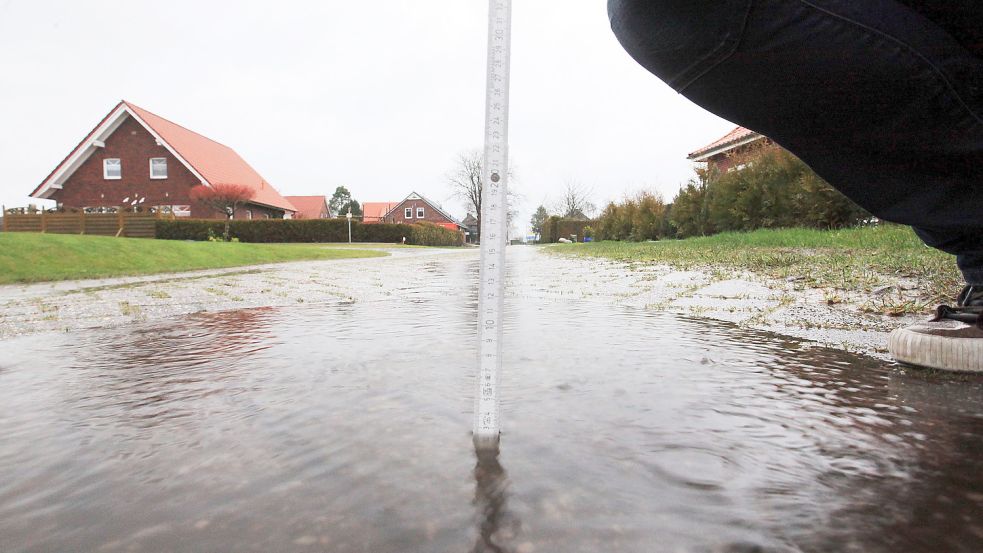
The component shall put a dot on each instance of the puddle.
(345, 427)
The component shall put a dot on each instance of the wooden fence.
(140, 224)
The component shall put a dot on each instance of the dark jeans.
(882, 98)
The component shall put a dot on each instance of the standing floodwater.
(345, 427)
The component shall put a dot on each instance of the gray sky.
(378, 96)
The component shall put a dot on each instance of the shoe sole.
(936, 351)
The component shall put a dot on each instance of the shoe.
(952, 341)
(971, 296)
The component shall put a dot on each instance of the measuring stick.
(494, 225)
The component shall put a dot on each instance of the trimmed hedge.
(308, 230)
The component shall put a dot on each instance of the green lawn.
(850, 259)
(29, 257)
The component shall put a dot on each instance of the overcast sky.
(377, 96)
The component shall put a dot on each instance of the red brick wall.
(259, 212)
(134, 146)
(430, 214)
(740, 155)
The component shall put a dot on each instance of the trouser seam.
(935, 68)
(733, 48)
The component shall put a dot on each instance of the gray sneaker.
(952, 341)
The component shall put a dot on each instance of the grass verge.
(29, 257)
(853, 260)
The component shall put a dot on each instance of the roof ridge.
(161, 117)
(737, 134)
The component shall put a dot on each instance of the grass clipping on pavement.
(29, 257)
(855, 260)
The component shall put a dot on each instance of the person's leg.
(960, 18)
(878, 99)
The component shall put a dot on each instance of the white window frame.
(105, 167)
(249, 214)
(420, 213)
(408, 213)
(152, 160)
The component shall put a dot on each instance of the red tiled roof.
(375, 211)
(216, 162)
(733, 137)
(309, 207)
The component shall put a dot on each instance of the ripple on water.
(345, 427)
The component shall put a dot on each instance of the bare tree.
(222, 198)
(575, 203)
(466, 185)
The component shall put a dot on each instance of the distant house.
(310, 207)
(136, 158)
(417, 209)
(373, 212)
(471, 224)
(732, 151)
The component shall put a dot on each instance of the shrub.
(775, 190)
(308, 230)
(188, 229)
(429, 234)
(643, 217)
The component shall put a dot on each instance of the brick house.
(136, 158)
(310, 207)
(470, 223)
(732, 151)
(417, 209)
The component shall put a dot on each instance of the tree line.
(775, 189)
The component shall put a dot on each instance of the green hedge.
(308, 230)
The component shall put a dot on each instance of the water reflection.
(497, 528)
(343, 427)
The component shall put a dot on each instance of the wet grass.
(851, 260)
(29, 257)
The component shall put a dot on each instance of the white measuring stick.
(494, 224)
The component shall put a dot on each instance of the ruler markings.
(494, 231)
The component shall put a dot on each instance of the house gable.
(96, 140)
(210, 162)
(432, 213)
(134, 146)
(732, 150)
(731, 141)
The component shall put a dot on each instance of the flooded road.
(344, 426)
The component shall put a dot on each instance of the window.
(419, 213)
(408, 213)
(112, 169)
(158, 167)
(249, 214)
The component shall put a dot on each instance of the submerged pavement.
(744, 299)
(340, 421)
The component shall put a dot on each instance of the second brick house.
(417, 209)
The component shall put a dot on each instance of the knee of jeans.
(678, 39)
